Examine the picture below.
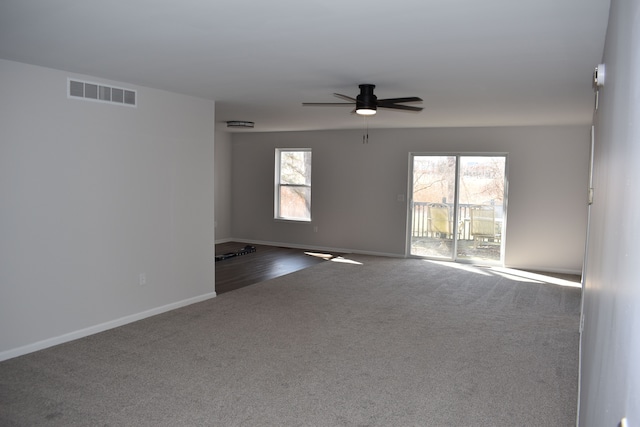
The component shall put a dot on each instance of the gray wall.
(223, 185)
(91, 196)
(610, 340)
(356, 186)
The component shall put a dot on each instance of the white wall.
(91, 196)
(611, 338)
(223, 185)
(356, 186)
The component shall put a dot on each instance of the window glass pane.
(481, 201)
(295, 167)
(295, 202)
(432, 228)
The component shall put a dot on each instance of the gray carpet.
(390, 342)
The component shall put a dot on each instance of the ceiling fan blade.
(399, 100)
(345, 97)
(400, 107)
(323, 104)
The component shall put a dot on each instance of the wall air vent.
(101, 93)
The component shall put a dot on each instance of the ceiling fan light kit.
(366, 111)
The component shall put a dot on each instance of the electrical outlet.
(581, 323)
(315, 229)
(142, 279)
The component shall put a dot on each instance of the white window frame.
(279, 184)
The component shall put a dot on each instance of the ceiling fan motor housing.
(366, 100)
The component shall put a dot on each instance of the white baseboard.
(228, 239)
(50, 342)
(384, 254)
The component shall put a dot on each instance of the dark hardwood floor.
(265, 263)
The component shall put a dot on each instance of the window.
(293, 184)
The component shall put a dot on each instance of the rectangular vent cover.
(101, 93)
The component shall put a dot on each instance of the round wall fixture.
(239, 124)
(598, 77)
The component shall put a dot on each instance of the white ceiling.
(475, 63)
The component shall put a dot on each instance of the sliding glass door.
(457, 206)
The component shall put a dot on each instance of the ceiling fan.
(367, 103)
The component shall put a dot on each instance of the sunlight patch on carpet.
(527, 276)
(458, 266)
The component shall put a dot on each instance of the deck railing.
(421, 221)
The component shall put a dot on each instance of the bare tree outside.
(482, 180)
(432, 179)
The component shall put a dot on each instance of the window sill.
(294, 220)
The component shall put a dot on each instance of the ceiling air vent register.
(98, 92)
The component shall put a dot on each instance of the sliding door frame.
(410, 202)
